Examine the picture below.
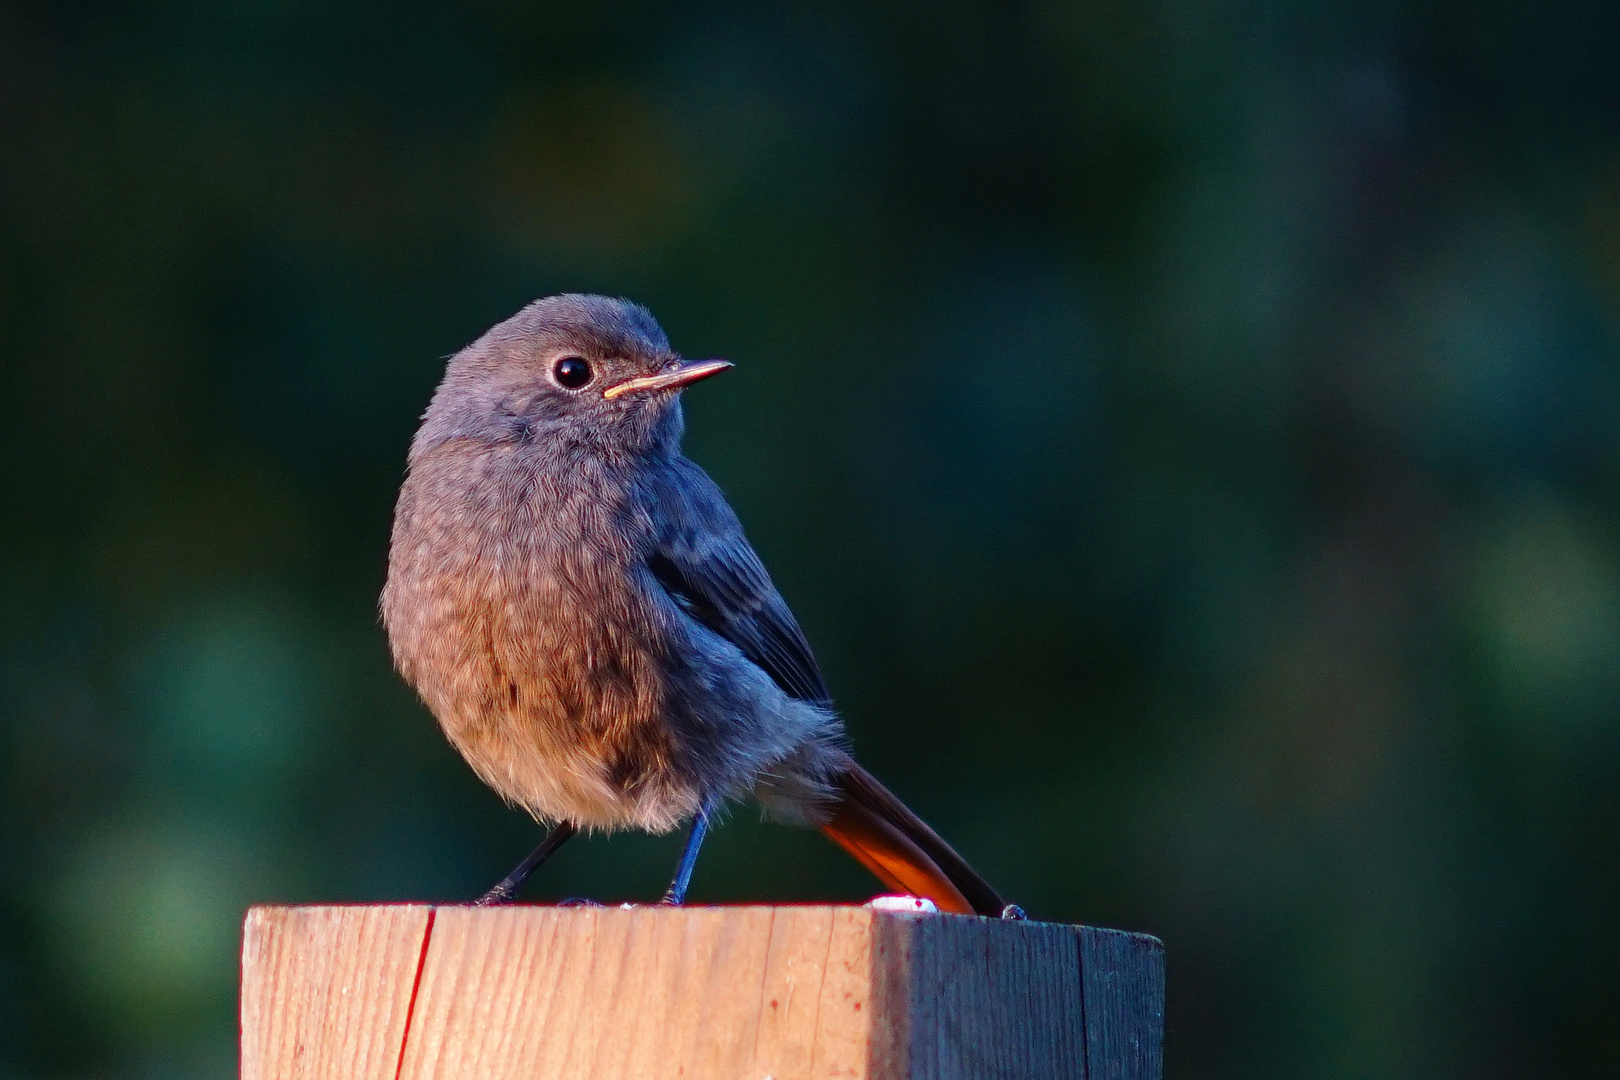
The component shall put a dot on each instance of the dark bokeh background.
(1187, 431)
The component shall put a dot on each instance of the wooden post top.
(412, 991)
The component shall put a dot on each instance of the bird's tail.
(870, 823)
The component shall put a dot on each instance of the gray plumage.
(576, 602)
(578, 605)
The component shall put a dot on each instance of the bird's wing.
(704, 561)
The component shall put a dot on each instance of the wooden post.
(408, 992)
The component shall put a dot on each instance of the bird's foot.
(499, 895)
(578, 901)
(1013, 912)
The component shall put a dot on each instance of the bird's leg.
(676, 894)
(506, 889)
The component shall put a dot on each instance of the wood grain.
(980, 998)
(1122, 978)
(326, 991)
(739, 993)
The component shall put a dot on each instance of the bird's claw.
(1014, 913)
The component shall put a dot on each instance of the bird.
(577, 604)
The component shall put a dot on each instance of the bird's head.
(570, 371)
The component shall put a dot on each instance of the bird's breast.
(516, 606)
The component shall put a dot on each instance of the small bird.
(576, 603)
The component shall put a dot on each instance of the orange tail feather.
(879, 830)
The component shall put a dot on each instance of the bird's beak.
(674, 378)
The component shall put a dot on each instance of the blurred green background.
(1187, 430)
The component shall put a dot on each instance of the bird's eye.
(571, 372)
